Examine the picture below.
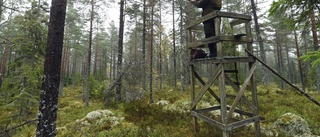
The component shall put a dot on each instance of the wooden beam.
(206, 87)
(240, 93)
(208, 120)
(224, 59)
(285, 80)
(236, 89)
(209, 89)
(241, 123)
(237, 22)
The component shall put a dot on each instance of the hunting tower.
(242, 99)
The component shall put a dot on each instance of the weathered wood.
(204, 110)
(209, 89)
(233, 39)
(240, 93)
(202, 19)
(206, 86)
(237, 22)
(242, 123)
(285, 80)
(208, 120)
(237, 89)
(218, 13)
(225, 59)
(195, 121)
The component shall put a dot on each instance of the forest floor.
(168, 116)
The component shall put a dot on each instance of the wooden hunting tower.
(242, 99)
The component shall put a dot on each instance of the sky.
(113, 12)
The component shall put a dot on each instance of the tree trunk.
(290, 69)
(96, 56)
(259, 39)
(63, 69)
(151, 52)
(299, 61)
(48, 107)
(315, 44)
(174, 46)
(120, 51)
(74, 66)
(87, 95)
(160, 50)
(144, 84)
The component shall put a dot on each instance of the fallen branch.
(15, 127)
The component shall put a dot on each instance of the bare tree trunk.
(259, 39)
(48, 107)
(160, 50)
(120, 51)
(299, 61)
(87, 95)
(151, 51)
(74, 66)
(63, 69)
(290, 69)
(144, 84)
(174, 46)
(96, 56)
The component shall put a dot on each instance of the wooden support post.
(253, 84)
(223, 102)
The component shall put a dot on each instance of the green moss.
(144, 119)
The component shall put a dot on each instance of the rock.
(292, 125)
(163, 102)
(134, 95)
(99, 117)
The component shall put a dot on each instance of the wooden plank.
(204, 110)
(237, 22)
(195, 121)
(206, 87)
(208, 109)
(209, 89)
(234, 15)
(223, 102)
(233, 39)
(241, 91)
(236, 89)
(218, 13)
(241, 123)
(202, 19)
(225, 59)
(208, 120)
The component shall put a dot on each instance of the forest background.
(146, 52)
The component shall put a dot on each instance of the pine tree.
(48, 107)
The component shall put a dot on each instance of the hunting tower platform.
(238, 107)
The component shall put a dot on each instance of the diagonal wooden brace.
(206, 86)
(209, 89)
(241, 91)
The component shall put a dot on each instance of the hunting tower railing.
(242, 100)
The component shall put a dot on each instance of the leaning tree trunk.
(48, 107)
